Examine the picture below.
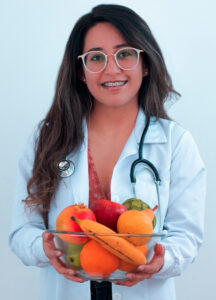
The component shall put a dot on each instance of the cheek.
(137, 78)
(140, 72)
(91, 80)
(91, 85)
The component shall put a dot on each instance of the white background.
(33, 36)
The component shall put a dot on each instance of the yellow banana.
(112, 242)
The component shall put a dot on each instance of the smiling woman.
(112, 83)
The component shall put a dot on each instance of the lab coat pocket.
(145, 189)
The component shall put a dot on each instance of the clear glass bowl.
(72, 244)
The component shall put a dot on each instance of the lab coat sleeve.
(25, 238)
(184, 219)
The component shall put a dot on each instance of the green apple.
(136, 204)
(73, 256)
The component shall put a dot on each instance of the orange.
(135, 222)
(124, 266)
(97, 261)
(149, 212)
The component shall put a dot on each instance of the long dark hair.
(61, 131)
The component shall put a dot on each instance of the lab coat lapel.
(80, 178)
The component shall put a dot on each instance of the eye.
(97, 57)
(123, 54)
(127, 53)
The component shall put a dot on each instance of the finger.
(61, 267)
(47, 236)
(126, 283)
(49, 246)
(66, 272)
(48, 240)
(156, 263)
(159, 249)
(74, 278)
(70, 274)
(151, 268)
(53, 253)
(138, 276)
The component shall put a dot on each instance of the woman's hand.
(53, 254)
(146, 271)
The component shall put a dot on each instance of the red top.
(95, 189)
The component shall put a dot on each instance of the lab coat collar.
(155, 133)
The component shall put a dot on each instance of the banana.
(112, 242)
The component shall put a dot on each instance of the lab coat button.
(117, 296)
(115, 198)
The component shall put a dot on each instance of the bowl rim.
(75, 233)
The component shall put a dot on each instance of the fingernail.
(141, 268)
(158, 248)
(71, 272)
(130, 277)
(58, 253)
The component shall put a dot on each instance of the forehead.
(105, 36)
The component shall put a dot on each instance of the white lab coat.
(172, 150)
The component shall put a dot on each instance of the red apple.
(65, 223)
(107, 212)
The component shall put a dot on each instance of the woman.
(112, 80)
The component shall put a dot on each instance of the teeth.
(114, 83)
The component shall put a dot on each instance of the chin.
(117, 101)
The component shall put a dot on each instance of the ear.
(145, 72)
(81, 76)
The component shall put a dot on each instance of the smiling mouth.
(116, 83)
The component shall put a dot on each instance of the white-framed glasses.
(125, 58)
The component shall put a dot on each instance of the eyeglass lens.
(127, 59)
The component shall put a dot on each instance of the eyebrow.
(115, 47)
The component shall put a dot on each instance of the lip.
(114, 88)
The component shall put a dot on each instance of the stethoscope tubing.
(150, 167)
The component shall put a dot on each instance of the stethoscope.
(66, 168)
(150, 167)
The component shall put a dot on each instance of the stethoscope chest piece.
(66, 168)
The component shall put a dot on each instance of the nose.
(111, 66)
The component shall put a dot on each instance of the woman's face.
(109, 40)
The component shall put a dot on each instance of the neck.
(111, 121)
